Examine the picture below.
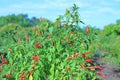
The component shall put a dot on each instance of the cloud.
(47, 8)
(47, 4)
(108, 10)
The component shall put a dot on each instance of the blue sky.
(93, 12)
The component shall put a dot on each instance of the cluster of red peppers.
(84, 55)
(23, 75)
(92, 67)
(4, 62)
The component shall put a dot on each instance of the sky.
(96, 13)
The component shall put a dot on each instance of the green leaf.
(36, 75)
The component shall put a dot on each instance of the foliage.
(70, 18)
(48, 51)
(113, 29)
(109, 37)
(21, 19)
(59, 50)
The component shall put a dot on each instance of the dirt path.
(111, 71)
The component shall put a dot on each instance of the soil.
(110, 71)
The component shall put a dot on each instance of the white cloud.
(109, 11)
(41, 8)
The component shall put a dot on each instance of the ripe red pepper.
(99, 67)
(68, 69)
(96, 67)
(8, 75)
(87, 53)
(22, 78)
(66, 39)
(87, 30)
(3, 60)
(48, 36)
(36, 57)
(82, 66)
(83, 56)
(89, 60)
(69, 58)
(101, 74)
(37, 45)
(76, 54)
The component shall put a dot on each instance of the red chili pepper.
(3, 60)
(87, 53)
(37, 45)
(8, 75)
(91, 67)
(66, 39)
(101, 74)
(68, 69)
(36, 57)
(87, 30)
(83, 56)
(76, 54)
(69, 58)
(22, 78)
(96, 67)
(48, 36)
(22, 75)
(89, 60)
(82, 66)
(99, 67)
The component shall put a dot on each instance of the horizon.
(94, 13)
